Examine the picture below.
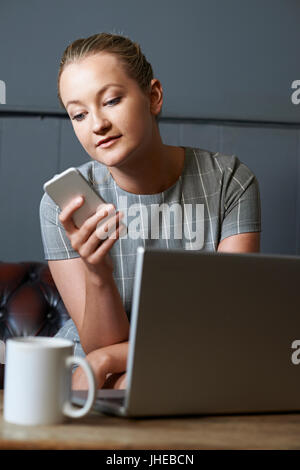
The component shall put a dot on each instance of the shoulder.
(208, 159)
(220, 166)
(48, 208)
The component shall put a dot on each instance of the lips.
(106, 141)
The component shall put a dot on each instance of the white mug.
(37, 381)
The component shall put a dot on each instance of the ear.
(156, 96)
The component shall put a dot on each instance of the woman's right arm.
(86, 284)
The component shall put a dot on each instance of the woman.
(107, 87)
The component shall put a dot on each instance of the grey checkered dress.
(225, 189)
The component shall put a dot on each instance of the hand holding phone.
(70, 184)
(84, 220)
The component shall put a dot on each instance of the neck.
(153, 170)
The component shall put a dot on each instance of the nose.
(100, 123)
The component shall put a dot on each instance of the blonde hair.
(129, 53)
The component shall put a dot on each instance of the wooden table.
(97, 431)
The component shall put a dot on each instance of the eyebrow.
(102, 90)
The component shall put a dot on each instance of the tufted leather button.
(29, 301)
(32, 275)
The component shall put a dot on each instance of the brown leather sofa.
(30, 304)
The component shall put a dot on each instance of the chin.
(110, 159)
(115, 157)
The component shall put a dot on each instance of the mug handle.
(68, 408)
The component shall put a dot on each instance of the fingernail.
(109, 209)
(79, 199)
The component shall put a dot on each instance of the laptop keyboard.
(115, 401)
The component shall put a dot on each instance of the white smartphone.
(69, 184)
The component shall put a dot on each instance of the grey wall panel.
(71, 151)
(29, 152)
(32, 150)
(170, 133)
(272, 154)
(217, 60)
(228, 59)
(205, 136)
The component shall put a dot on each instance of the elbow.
(88, 345)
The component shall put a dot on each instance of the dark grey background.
(226, 67)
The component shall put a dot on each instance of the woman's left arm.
(242, 243)
(113, 359)
(109, 366)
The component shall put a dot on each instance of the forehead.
(95, 70)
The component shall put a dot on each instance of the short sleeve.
(55, 241)
(241, 200)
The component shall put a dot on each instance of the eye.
(77, 117)
(114, 101)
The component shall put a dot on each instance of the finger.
(65, 216)
(105, 228)
(85, 240)
(120, 383)
(111, 380)
(79, 377)
(79, 380)
(90, 225)
(104, 247)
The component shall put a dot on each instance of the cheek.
(81, 135)
(137, 120)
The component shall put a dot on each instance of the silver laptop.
(210, 333)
